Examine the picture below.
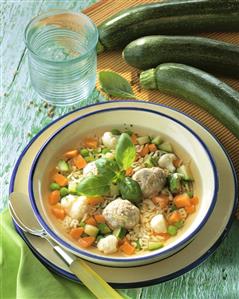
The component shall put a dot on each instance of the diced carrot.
(86, 241)
(94, 200)
(91, 142)
(91, 221)
(54, 197)
(134, 138)
(190, 209)
(99, 218)
(174, 217)
(129, 171)
(166, 236)
(58, 213)
(127, 248)
(194, 200)
(182, 200)
(79, 161)
(144, 151)
(71, 154)
(161, 200)
(75, 233)
(152, 147)
(60, 179)
(177, 162)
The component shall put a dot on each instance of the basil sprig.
(125, 152)
(115, 85)
(110, 171)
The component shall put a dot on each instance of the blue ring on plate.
(95, 257)
(197, 262)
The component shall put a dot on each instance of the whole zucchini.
(196, 87)
(171, 17)
(204, 53)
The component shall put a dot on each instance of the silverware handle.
(68, 259)
(94, 282)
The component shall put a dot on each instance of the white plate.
(196, 252)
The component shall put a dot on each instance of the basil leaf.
(93, 185)
(115, 85)
(125, 151)
(107, 168)
(130, 190)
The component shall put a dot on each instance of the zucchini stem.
(147, 79)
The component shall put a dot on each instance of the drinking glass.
(62, 56)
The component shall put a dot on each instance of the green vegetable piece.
(91, 230)
(115, 132)
(64, 191)
(72, 187)
(105, 150)
(185, 171)
(55, 186)
(115, 85)
(93, 185)
(63, 166)
(89, 158)
(130, 133)
(173, 208)
(166, 146)
(143, 139)
(84, 152)
(150, 162)
(125, 151)
(120, 232)
(82, 224)
(172, 230)
(175, 183)
(179, 224)
(104, 228)
(154, 245)
(107, 168)
(157, 140)
(188, 188)
(138, 246)
(130, 190)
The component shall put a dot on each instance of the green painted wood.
(24, 114)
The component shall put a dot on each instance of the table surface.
(24, 114)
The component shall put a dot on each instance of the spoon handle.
(97, 285)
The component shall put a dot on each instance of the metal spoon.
(24, 217)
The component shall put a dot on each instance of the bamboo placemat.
(113, 61)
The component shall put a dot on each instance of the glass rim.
(56, 12)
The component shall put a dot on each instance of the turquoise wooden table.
(24, 114)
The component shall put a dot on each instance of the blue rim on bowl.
(110, 259)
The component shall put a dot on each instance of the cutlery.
(23, 215)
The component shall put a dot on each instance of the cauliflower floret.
(109, 140)
(67, 201)
(76, 206)
(158, 224)
(151, 180)
(166, 161)
(121, 213)
(90, 169)
(108, 244)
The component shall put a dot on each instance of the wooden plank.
(15, 16)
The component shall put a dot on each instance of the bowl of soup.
(123, 186)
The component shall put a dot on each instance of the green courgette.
(197, 87)
(170, 18)
(204, 53)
